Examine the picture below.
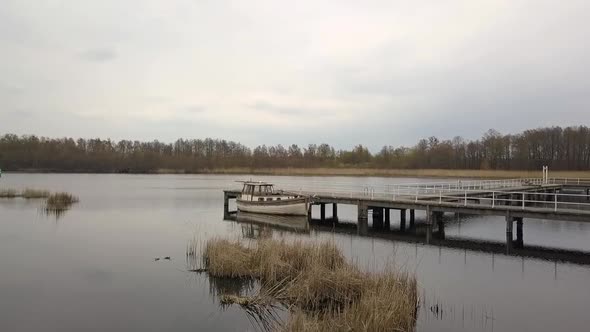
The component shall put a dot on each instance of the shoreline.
(353, 172)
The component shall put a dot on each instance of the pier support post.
(440, 224)
(322, 211)
(519, 240)
(402, 219)
(334, 212)
(412, 218)
(430, 216)
(509, 239)
(387, 212)
(377, 217)
(363, 219)
(225, 206)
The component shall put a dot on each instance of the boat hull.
(287, 207)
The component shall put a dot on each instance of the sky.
(268, 72)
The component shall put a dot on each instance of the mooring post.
(334, 212)
(402, 219)
(412, 214)
(387, 218)
(363, 219)
(323, 211)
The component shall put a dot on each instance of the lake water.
(93, 268)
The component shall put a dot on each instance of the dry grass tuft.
(325, 291)
(60, 201)
(34, 193)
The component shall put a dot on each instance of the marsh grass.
(8, 193)
(314, 280)
(35, 193)
(60, 201)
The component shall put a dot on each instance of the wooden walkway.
(514, 200)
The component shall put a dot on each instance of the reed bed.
(60, 201)
(35, 193)
(8, 193)
(314, 281)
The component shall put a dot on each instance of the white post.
(439, 196)
(465, 198)
(555, 195)
(523, 200)
(546, 174)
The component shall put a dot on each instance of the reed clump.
(35, 193)
(8, 193)
(60, 201)
(314, 280)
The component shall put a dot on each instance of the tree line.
(559, 148)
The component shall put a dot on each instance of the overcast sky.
(341, 72)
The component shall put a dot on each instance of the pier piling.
(387, 218)
(363, 219)
(334, 212)
(402, 219)
(509, 238)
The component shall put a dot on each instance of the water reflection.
(417, 235)
(433, 309)
(219, 286)
(292, 223)
(125, 221)
(57, 213)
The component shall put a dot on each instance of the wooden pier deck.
(515, 200)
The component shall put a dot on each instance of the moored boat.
(260, 197)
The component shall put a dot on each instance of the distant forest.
(560, 148)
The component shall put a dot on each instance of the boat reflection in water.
(292, 223)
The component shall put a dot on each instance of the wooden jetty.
(516, 199)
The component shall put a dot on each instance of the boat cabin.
(261, 192)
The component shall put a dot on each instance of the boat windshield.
(257, 189)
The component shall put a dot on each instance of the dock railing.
(493, 193)
(570, 181)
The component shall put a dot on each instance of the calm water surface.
(93, 268)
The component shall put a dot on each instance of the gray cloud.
(277, 109)
(385, 72)
(194, 109)
(98, 55)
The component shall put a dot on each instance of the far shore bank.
(360, 172)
